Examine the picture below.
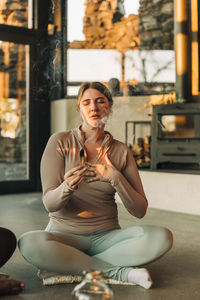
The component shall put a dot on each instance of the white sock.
(140, 277)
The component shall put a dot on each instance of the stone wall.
(152, 29)
(105, 27)
(14, 12)
(156, 26)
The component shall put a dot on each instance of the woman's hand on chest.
(102, 171)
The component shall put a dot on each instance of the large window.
(93, 35)
(14, 111)
(124, 39)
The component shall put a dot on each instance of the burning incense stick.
(82, 157)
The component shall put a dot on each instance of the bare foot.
(11, 287)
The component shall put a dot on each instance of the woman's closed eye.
(100, 101)
(86, 102)
(97, 101)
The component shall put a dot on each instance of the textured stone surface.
(156, 26)
(13, 171)
(152, 29)
(105, 27)
(14, 12)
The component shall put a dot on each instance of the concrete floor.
(176, 276)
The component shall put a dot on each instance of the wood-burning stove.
(175, 136)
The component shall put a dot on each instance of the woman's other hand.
(75, 176)
(101, 172)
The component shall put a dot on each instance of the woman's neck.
(94, 134)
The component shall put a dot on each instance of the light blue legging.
(114, 252)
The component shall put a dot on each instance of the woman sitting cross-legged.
(81, 170)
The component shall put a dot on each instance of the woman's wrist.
(113, 177)
(68, 187)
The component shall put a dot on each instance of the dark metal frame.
(135, 123)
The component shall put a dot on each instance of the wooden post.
(195, 48)
(181, 50)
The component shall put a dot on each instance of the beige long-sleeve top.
(92, 206)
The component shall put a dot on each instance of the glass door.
(17, 108)
(14, 111)
(17, 112)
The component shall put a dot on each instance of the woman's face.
(94, 108)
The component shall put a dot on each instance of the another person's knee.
(8, 246)
(8, 237)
